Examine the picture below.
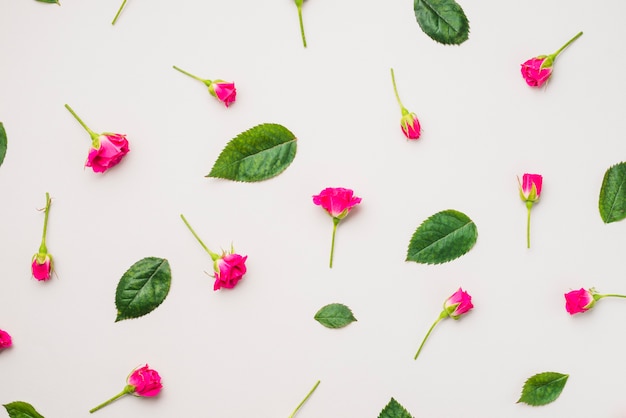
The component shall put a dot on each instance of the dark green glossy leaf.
(142, 288)
(394, 410)
(20, 409)
(334, 315)
(442, 237)
(257, 154)
(3, 143)
(443, 20)
(543, 388)
(613, 194)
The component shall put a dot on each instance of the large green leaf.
(334, 315)
(257, 154)
(613, 194)
(394, 410)
(543, 388)
(142, 288)
(442, 237)
(443, 20)
(3, 143)
(21, 410)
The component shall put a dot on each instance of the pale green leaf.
(334, 315)
(257, 154)
(394, 410)
(443, 20)
(3, 143)
(442, 237)
(142, 288)
(543, 388)
(20, 409)
(613, 194)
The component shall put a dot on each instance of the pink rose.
(458, 304)
(410, 126)
(337, 201)
(42, 267)
(526, 187)
(109, 151)
(230, 269)
(224, 91)
(146, 382)
(536, 71)
(578, 301)
(5, 340)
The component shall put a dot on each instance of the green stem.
(42, 247)
(556, 54)
(395, 90)
(301, 25)
(211, 253)
(190, 75)
(94, 136)
(118, 12)
(128, 389)
(332, 243)
(610, 295)
(529, 205)
(443, 315)
(304, 400)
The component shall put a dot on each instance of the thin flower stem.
(556, 54)
(211, 253)
(612, 295)
(301, 25)
(128, 389)
(528, 225)
(118, 12)
(443, 315)
(332, 243)
(93, 135)
(189, 74)
(42, 247)
(395, 90)
(304, 400)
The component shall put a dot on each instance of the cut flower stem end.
(293, 414)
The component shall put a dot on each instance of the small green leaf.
(3, 143)
(543, 388)
(443, 20)
(260, 153)
(21, 410)
(442, 237)
(613, 194)
(334, 315)
(142, 288)
(394, 410)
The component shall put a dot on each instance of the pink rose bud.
(222, 90)
(41, 264)
(142, 381)
(578, 301)
(529, 191)
(458, 304)
(338, 202)
(107, 149)
(536, 71)
(409, 123)
(5, 340)
(230, 268)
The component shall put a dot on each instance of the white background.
(256, 350)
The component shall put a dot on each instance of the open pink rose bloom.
(146, 382)
(231, 267)
(5, 340)
(337, 201)
(113, 147)
(578, 301)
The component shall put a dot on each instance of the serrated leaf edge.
(562, 376)
(602, 192)
(465, 25)
(352, 318)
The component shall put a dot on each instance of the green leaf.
(443, 20)
(334, 315)
(142, 288)
(543, 388)
(394, 410)
(3, 143)
(613, 194)
(257, 154)
(442, 237)
(49, 1)
(21, 410)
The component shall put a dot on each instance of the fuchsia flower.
(581, 300)
(223, 91)
(409, 123)
(454, 307)
(107, 149)
(536, 71)
(229, 267)
(529, 191)
(5, 340)
(41, 265)
(142, 381)
(338, 202)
